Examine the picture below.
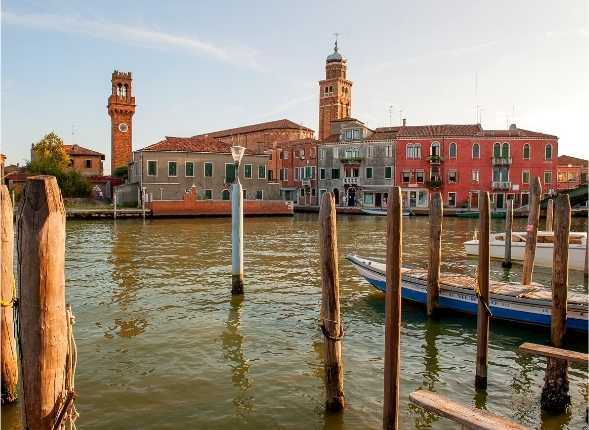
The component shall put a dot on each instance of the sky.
(210, 65)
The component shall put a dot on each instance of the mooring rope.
(327, 334)
(12, 301)
(477, 291)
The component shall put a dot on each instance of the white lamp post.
(237, 225)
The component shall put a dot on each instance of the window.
(334, 173)
(229, 173)
(369, 173)
(270, 175)
(285, 155)
(208, 168)
(357, 134)
(321, 173)
(505, 150)
(497, 150)
(247, 171)
(151, 168)
(388, 151)
(369, 199)
(260, 195)
(262, 172)
(302, 153)
(172, 168)
(453, 151)
(244, 194)
(405, 176)
(388, 172)
(525, 199)
(225, 195)
(476, 151)
(335, 153)
(412, 151)
(419, 176)
(370, 151)
(548, 152)
(309, 172)
(348, 134)
(302, 192)
(526, 151)
(547, 177)
(88, 164)
(434, 149)
(322, 154)
(452, 176)
(476, 175)
(208, 194)
(525, 177)
(284, 174)
(321, 192)
(189, 168)
(452, 200)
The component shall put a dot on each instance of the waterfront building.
(84, 160)
(121, 108)
(572, 172)
(168, 169)
(357, 163)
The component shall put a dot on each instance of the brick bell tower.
(335, 93)
(121, 107)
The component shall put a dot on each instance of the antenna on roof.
(390, 115)
(400, 116)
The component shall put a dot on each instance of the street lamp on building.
(237, 225)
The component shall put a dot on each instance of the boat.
(544, 248)
(475, 214)
(526, 304)
(383, 211)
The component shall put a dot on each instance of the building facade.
(572, 172)
(357, 164)
(121, 108)
(168, 169)
(84, 160)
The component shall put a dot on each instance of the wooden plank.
(469, 417)
(550, 351)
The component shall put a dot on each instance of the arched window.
(476, 151)
(526, 151)
(326, 90)
(548, 152)
(497, 150)
(331, 88)
(505, 150)
(225, 195)
(453, 150)
(119, 90)
(125, 87)
(434, 149)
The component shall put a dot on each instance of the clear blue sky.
(207, 65)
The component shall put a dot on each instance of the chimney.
(404, 122)
(513, 127)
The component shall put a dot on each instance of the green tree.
(51, 150)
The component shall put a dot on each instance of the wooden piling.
(555, 396)
(483, 294)
(508, 230)
(393, 311)
(532, 231)
(550, 215)
(42, 315)
(435, 251)
(8, 296)
(330, 305)
(114, 198)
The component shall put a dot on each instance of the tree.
(121, 172)
(51, 151)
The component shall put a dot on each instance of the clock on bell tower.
(121, 107)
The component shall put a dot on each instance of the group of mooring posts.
(555, 392)
(35, 315)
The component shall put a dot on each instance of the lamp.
(237, 153)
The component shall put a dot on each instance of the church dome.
(335, 56)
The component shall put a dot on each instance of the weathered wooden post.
(237, 225)
(532, 231)
(483, 309)
(114, 198)
(41, 311)
(330, 305)
(8, 293)
(508, 230)
(555, 394)
(435, 251)
(392, 351)
(550, 215)
(143, 197)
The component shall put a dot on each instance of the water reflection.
(234, 354)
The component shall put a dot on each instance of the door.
(474, 200)
(412, 199)
(378, 200)
(500, 200)
(352, 197)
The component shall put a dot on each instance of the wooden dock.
(74, 213)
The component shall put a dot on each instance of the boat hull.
(465, 301)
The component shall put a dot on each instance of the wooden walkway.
(106, 213)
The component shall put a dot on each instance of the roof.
(271, 125)
(347, 119)
(290, 143)
(515, 132)
(80, 150)
(383, 133)
(439, 130)
(565, 160)
(192, 144)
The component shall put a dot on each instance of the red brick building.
(462, 160)
(572, 172)
(84, 160)
(121, 108)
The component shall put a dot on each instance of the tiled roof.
(332, 138)
(80, 150)
(383, 133)
(190, 144)
(347, 119)
(565, 160)
(297, 142)
(439, 130)
(514, 132)
(272, 125)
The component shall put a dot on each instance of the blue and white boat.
(529, 304)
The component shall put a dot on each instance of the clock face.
(123, 127)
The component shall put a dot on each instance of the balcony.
(501, 185)
(306, 182)
(351, 158)
(434, 184)
(501, 161)
(434, 159)
(350, 180)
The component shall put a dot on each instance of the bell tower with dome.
(121, 107)
(335, 93)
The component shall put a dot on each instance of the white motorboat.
(544, 248)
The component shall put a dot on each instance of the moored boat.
(383, 211)
(530, 304)
(475, 214)
(544, 248)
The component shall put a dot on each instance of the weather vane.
(336, 36)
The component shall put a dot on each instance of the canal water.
(163, 345)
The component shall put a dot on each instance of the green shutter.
(189, 168)
(172, 168)
(152, 168)
(209, 169)
(388, 172)
(229, 173)
(248, 171)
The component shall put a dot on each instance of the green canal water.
(162, 344)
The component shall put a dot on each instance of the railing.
(350, 180)
(306, 182)
(434, 184)
(501, 185)
(434, 159)
(356, 158)
(501, 161)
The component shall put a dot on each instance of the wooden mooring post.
(114, 199)
(532, 231)
(550, 215)
(330, 305)
(483, 309)
(508, 230)
(555, 394)
(41, 311)
(392, 352)
(435, 251)
(8, 293)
